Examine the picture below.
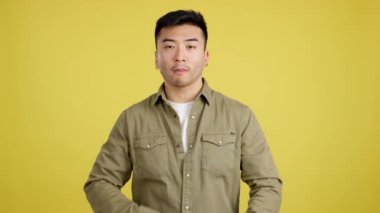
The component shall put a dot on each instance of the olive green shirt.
(225, 144)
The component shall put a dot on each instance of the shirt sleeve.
(111, 170)
(258, 169)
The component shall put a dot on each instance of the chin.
(180, 83)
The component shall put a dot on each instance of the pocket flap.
(219, 139)
(150, 142)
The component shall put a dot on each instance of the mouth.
(180, 69)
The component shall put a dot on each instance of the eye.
(168, 46)
(191, 47)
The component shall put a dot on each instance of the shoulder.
(233, 113)
(229, 103)
(141, 108)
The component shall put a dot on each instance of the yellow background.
(309, 69)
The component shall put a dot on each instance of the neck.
(183, 94)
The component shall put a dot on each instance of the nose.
(180, 55)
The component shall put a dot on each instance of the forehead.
(181, 31)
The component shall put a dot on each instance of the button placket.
(187, 184)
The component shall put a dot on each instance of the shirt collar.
(205, 93)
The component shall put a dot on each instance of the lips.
(180, 69)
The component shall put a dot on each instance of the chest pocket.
(218, 152)
(151, 156)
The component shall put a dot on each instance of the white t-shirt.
(183, 111)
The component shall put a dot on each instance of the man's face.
(181, 55)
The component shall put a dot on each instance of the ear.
(156, 59)
(206, 58)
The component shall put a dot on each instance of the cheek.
(164, 59)
(201, 61)
(164, 64)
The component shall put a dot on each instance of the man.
(187, 145)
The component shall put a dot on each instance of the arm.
(259, 170)
(111, 170)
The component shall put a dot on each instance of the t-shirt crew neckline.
(183, 111)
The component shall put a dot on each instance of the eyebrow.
(167, 40)
(172, 40)
(192, 39)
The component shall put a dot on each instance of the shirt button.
(191, 146)
(187, 207)
(148, 146)
(193, 117)
(187, 175)
(220, 142)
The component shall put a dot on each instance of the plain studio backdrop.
(309, 69)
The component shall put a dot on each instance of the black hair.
(180, 17)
